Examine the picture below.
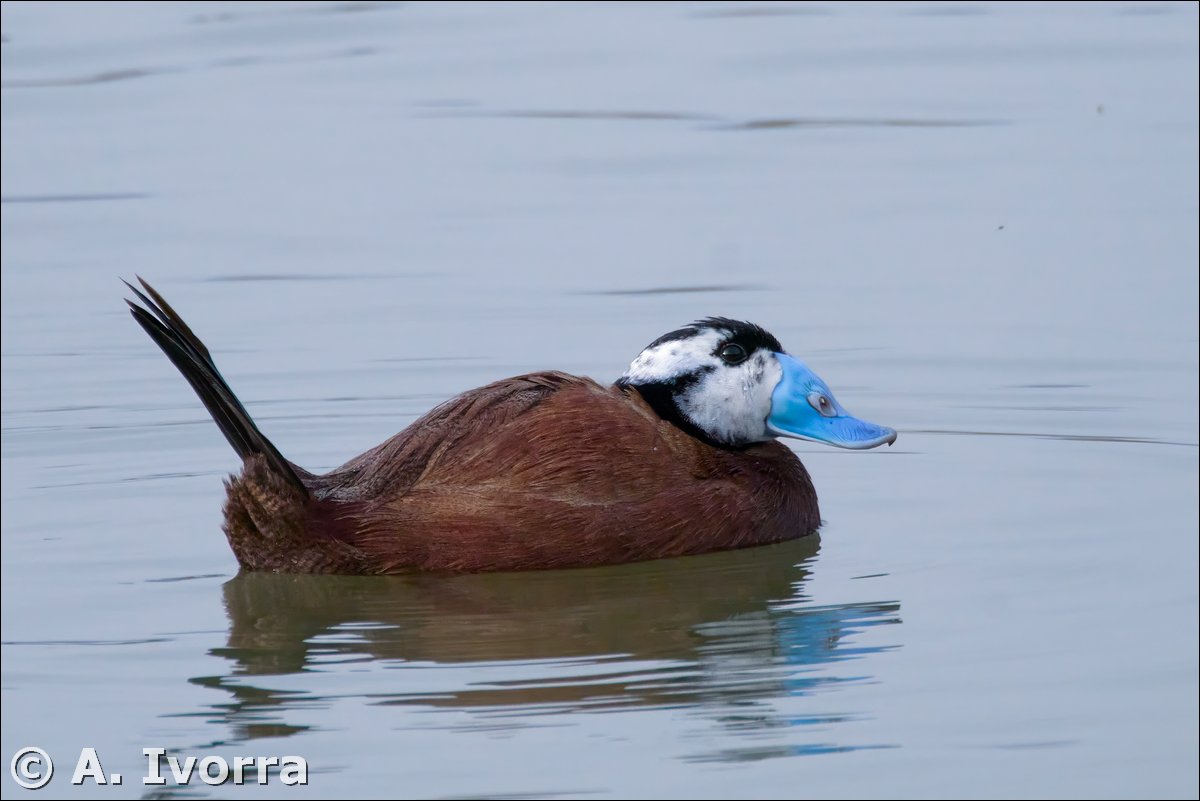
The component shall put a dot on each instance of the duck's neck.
(660, 396)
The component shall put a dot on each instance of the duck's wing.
(273, 526)
(442, 437)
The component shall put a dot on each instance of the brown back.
(552, 470)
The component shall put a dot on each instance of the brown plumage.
(538, 471)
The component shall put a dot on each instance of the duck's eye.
(733, 353)
(821, 402)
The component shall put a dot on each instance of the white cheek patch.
(731, 404)
(675, 358)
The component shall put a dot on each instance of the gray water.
(977, 222)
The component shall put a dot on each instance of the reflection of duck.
(543, 470)
(705, 631)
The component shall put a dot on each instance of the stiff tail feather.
(188, 354)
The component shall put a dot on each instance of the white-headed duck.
(545, 470)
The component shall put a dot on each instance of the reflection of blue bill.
(758, 664)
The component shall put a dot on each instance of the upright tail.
(187, 352)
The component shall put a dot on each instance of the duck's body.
(539, 471)
(536, 491)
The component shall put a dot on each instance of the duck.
(679, 456)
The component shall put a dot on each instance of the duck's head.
(731, 383)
